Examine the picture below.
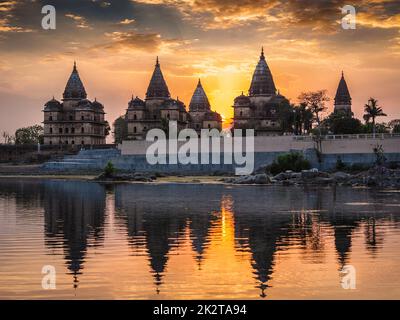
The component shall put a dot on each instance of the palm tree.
(372, 111)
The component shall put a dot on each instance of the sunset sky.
(115, 44)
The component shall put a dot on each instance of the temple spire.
(262, 82)
(199, 99)
(342, 97)
(74, 89)
(157, 87)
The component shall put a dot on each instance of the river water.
(194, 241)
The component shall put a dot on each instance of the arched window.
(83, 142)
(71, 118)
(209, 126)
(155, 117)
(72, 130)
(241, 113)
(66, 130)
(83, 130)
(168, 116)
(51, 130)
(72, 142)
(66, 141)
(134, 117)
(134, 129)
(51, 118)
(51, 142)
(82, 118)
(60, 130)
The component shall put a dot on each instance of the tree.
(394, 126)
(107, 129)
(379, 128)
(315, 102)
(8, 139)
(29, 135)
(302, 119)
(341, 123)
(379, 154)
(372, 111)
(120, 129)
(286, 117)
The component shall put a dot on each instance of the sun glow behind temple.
(115, 46)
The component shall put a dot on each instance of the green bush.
(290, 161)
(340, 165)
(109, 169)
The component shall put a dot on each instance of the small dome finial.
(157, 61)
(262, 52)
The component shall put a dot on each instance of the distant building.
(343, 98)
(201, 116)
(259, 110)
(158, 108)
(76, 120)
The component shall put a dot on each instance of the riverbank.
(162, 180)
(94, 177)
(380, 177)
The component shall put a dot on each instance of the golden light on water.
(134, 247)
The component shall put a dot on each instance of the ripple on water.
(196, 241)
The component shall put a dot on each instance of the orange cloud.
(149, 42)
(370, 20)
(79, 20)
(127, 21)
(7, 6)
(5, 27)
(216, 14)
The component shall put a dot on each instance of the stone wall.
(350, 149)
(29, 153)
(11, 153)
(131, 155)
(330, 145)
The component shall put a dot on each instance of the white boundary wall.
(345, 144)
